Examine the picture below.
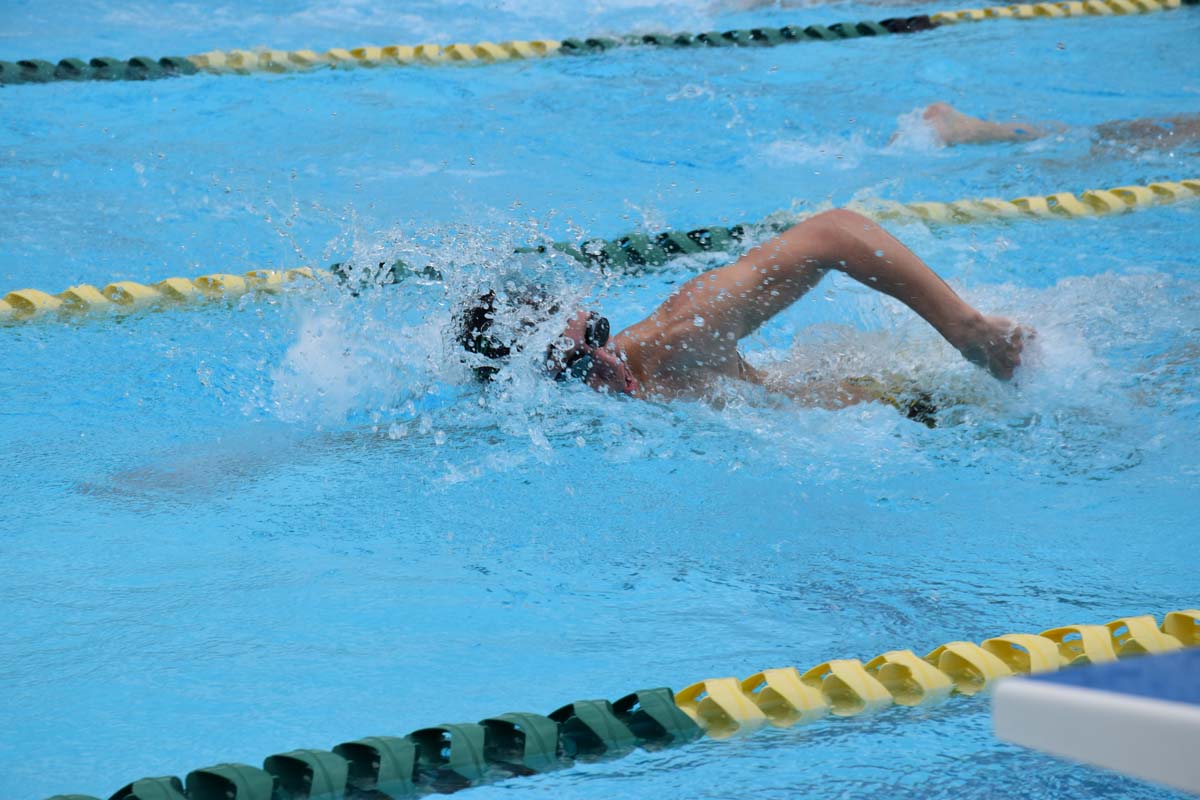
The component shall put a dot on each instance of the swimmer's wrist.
(964, 333)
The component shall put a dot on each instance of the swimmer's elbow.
(828, 236)
(835, 224)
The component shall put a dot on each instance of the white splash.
(914, 134)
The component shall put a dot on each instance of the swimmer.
(953, 127)
(690, 342)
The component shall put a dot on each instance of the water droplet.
(879, 254)
(698, 321)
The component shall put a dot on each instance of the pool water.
(291, 520)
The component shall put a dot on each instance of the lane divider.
(1069, 8)
(124, 296)
(103, 68)
(639, 251)
(245, 62)
(635, 252)
(452, 756)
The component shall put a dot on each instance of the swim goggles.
(577, 362)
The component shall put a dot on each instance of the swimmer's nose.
(606, 373)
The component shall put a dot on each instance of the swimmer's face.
(610, 374)
(580, 352)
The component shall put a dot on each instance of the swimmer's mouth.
(631, 383)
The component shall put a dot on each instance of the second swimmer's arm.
(954, 127)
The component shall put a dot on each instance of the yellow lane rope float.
(245, 62)
(1091, 203)
(1070, 8)
(454, 756)
(631, 252)
(25, 304)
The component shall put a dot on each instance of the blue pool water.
(290, 521)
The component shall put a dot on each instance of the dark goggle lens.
(578, 369)
(596, 333)
(595, 336)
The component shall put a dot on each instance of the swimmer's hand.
(995, 343)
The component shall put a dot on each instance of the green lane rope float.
(245, 62)
(632, 253)
(138, 68)
(447, 757)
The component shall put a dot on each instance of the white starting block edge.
(1154, 739)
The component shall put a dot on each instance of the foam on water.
(914, 134)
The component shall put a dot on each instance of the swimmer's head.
(581, 352)
(495, 326)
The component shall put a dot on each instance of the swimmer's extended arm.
(954, 127)
(737, 299)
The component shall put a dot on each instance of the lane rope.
(29, 304)
(635, 252)
(245, 62)
(453, 756)
(639, 251)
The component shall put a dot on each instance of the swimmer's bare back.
(692, 338)
(1161, 132)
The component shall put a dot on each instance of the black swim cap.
(520, 312)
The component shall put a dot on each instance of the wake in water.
(913, 133)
